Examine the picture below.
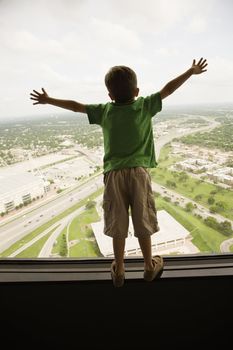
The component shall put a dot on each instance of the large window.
(51, 160)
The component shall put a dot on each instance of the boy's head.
(121, 82)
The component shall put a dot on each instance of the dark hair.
(121, 82)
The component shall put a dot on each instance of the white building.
(195, 165)
(172, 237)
(18, 188)
(224, 175)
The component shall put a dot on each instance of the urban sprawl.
(52, 184)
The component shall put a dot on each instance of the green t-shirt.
(127, 131)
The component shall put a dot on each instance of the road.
(34, 240)
(204, 212)
(200, 210)
(59, 225)
(160, 142)
(176, 197)
(46, 250)
(225, 246)
(14, 230)
(48, 246)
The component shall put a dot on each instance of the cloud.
(197, 25)
(109, 32)
(68, 45)
(167, 51)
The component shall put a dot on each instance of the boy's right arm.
(196, 68)
(43, 98)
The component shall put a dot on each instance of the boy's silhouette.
(128, 152)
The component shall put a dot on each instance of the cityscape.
(51, 188)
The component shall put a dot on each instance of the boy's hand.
(39, 98)
(198, 68)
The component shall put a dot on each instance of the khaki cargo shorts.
(129, 188)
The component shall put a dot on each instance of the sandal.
(118, 280)
(150, 275)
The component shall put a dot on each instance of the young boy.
(128, 152)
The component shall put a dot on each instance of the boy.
(128, 152)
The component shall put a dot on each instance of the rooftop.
(170, 231)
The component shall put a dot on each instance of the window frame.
(91, 269)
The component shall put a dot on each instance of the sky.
(67, 47)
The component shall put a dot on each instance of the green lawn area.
(206, 239)
(192, 188)
(81, 234)
(34, 250)
(58, 243)
(231, 248)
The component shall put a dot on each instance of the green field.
(58, 244)
(81, 234)
(34, 250)
(192, 188)
(206, 239)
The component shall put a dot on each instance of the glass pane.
(51, 159)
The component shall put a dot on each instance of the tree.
(213, 192)
(63, 246)
(214, 209)
(189, 207)
(90, 204)
(170, 183)
(183, 177)
(225, 228)
(221, 206)
(211, 222)
(198, 197)
(211, 200)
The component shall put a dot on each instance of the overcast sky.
(67, 46)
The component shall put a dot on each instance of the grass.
(85, 249)
(81, 232)
(191, 188)
(48, 224)
(80, 224)
(58, 242)
(34, 250)
(206, 239)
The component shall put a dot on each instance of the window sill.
(55, 270)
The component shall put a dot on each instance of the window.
(51, 160)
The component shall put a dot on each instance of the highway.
(14, 230)
(161, 141)
(176, 197)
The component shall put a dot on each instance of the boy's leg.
(153, 265)
(145, 245)
(144, 216)
(119, 248)
(116, 219)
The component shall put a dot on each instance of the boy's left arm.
(44, 98)
(196, 68)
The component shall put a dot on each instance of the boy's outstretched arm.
(43, 98)
(196, 68)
